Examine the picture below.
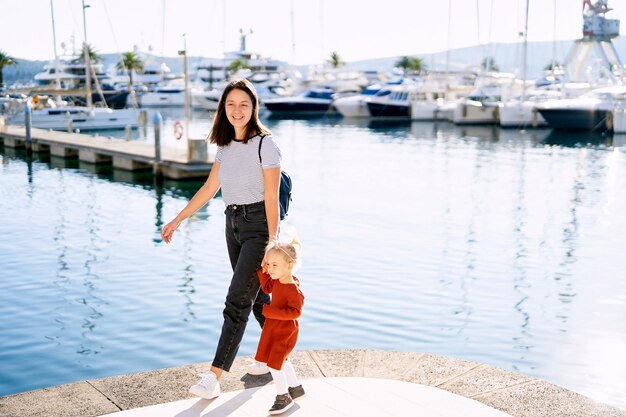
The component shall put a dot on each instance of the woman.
(250, 192)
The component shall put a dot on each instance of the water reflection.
(63, 163)
(80, 306)
(563, 276)
(520, 265)
(573, 139)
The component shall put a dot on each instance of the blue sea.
(499, 246)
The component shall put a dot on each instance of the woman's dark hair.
(223, 132)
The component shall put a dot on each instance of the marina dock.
(173, 163)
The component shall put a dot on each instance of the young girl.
(280, 332)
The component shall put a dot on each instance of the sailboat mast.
(293, 36)
(480, 47)
(163, 29)
(448, 40)
(525, 55)
(87, 63)
(56, 55)
(554, 40)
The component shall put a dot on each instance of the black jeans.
(246, 237)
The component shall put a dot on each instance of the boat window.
(383, 93)
(319, 94)
(53, 112)
(371, 91)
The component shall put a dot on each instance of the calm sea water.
(498, 246)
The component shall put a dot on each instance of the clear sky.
(356, 29)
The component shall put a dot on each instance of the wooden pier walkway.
(194, 162)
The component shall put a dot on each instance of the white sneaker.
(258, 368)
(208, 387)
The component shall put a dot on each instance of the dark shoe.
(282, 404)
(296, 392)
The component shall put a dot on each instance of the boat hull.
(466, 114)
(425, 111)
(158, 99)
(352, 108)
(575, 119)
(388, 109)
(84, 120)
(293, 107)
(114, 99)
(517, 116)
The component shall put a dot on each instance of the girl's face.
(238, 108)
(278, 267)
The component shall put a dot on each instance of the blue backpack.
(284, 193)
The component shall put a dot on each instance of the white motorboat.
(152, 75)
(587, 112)
(395, 104)
(356, 105)
(482, 106)
(215, 72)
(521, 112)
(313, 101)
(206, 100)
(478, 109)
(171, 94)
(84, 118)
(69, 73)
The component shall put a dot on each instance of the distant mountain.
(507, 56)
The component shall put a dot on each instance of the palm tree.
(489, 64)
(91, 53)
(552, 66)
(410, 63)
(5, 61)
(132, 62)
(238, 64)
(335, 60)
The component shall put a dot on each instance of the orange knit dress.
(280, 331)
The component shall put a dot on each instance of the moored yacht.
(395, 104)
(170, 94)
(356, 105)
(69, 75)
(482, 106)
(84, 118)
(48, 114)
(587, 112)
(522, 112)
(313, 101)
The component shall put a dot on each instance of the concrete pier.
(503, 391)
(193, 162)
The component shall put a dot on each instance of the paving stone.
(482, 379)
(80, 399)
(389, 364)
(147, 388)
(542, 399)
(347, 362)
(435, 370)
(305, 366)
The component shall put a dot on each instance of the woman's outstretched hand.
(168, 230)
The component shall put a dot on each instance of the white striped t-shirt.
(241, 175)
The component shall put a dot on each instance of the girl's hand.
(169, 229)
